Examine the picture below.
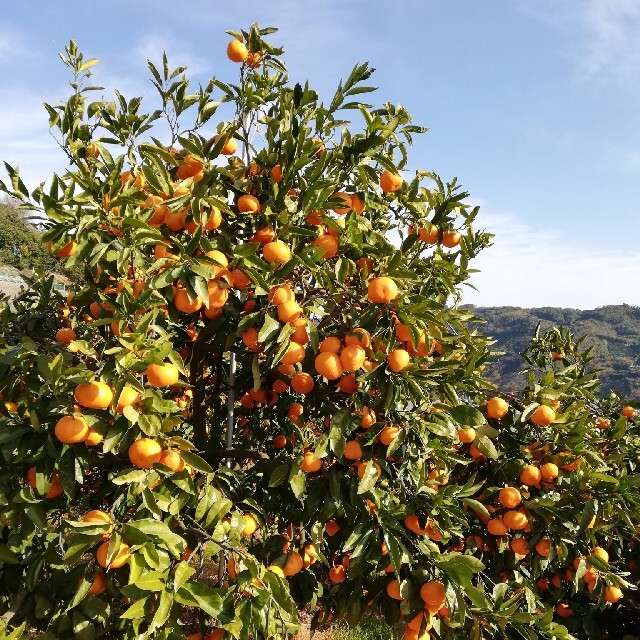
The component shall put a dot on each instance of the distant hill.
(613, 331)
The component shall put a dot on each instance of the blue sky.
(533, 104)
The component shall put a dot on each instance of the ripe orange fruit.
(249, 204)
(348, 383)
(466, 435)
(358, 336)
(393, 590)
(128, 396)
(309, 465)
(144, 453)
(433, 594)
(602, 423)
(55, 488)
(294, 564)
(414, 634)
(289, 311)
(162, 375)
(612, 594)
(250, 339)
(276, 252)
(237, 51)
(250, 525)
(543, 547)
(497, 408)
(629, 413)
(353, 450)
(171, 458)
(352, 357)
(328, 364)
(295, 353)
(280, 442)
(451, 239)
(543, 416)
(368, 418)
(263, 235)
(300, 335)
(515, 519)
(357, 203)
(230, 144)
(93, 395)
(549, 472)
(345, 198)
(254, 59)
(183, 302)
(520, 546)
(101, 517)
(388, 434)
(398, 360)
(362, 467)
(429, 235)
(390, 182)
(71, 429)
(218, 297)
(328, 244)
(94, 438)
(563, 610)
(509, 497)
(337, 574)
(530, 475)
(66, 251)
(330, 345)
(599, 552)
(65, 335)
(331, 528)
(302, 382)
(276, 173)
(412, 522)
(382, 290)
(98, 585)
(281, 294)
(497, 527)
(121, 556)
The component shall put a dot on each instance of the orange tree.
(260, 398)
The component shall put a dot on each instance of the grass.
(368, 629)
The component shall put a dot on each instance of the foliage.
(20, 243)
(333, 484)
(613, 333)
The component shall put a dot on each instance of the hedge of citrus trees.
(263, 397)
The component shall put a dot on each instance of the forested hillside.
(613, 331)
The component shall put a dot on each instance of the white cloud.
(527, 267)
(603, 36)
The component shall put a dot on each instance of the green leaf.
(467, 416)
(163, 610)
(7, 556)
(195, 461)
(136, 610)
(182, 574)
(126, 477)
(269, 329)
(196, 594)
(369, 478)
(299, 484)
(279, 474)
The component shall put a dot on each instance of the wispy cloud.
(152, 45)
(24, 136)
(13, 45)
(527, 267)
(603, 35)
